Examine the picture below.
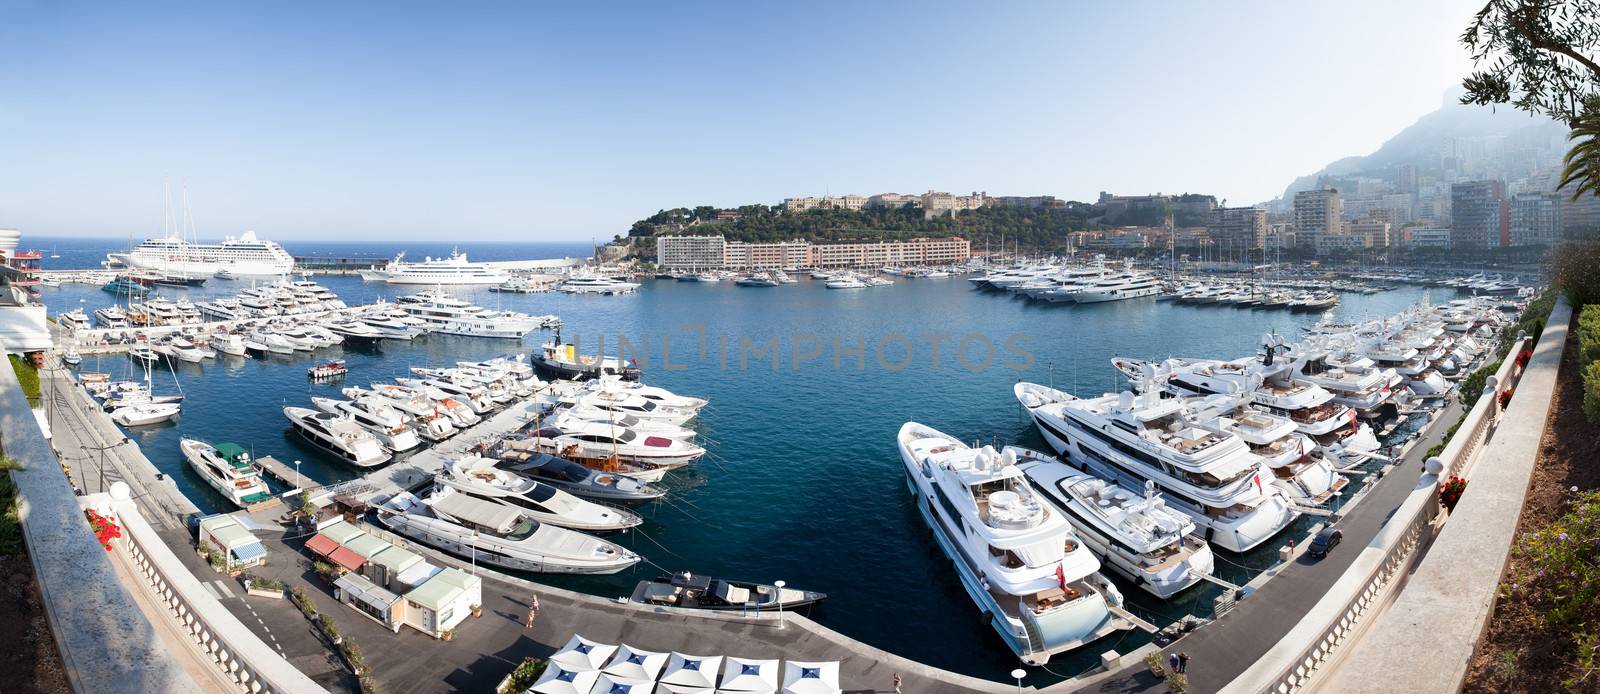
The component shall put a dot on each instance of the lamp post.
(297, 475)
(780, 584)
(1018, 674)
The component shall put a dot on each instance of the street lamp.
(297, 475)
(1018, 674)
(780, 584)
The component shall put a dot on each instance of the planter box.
(264, 593)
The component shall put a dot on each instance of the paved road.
(1223, 649)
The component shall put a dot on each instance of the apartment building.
(920, 251)
(1536, 219)
(1479, 215)
(715, 252)
(690, 252)
(1317, 213)
(1238, 227)
(765, 256)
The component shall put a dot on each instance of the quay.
(288, 474)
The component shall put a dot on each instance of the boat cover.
(485, 514)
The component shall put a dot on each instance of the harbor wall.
(1446, 605)
(106, 643)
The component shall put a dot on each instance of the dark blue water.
(804, 482)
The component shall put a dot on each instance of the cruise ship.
(455, 269)
(242, 256)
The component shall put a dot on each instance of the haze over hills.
(1455, 142)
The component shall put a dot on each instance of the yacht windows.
(1005, 557)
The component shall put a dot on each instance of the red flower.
(105, 528)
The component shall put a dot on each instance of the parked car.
(1324, 542)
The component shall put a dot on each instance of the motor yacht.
(1131, 439)
(356, 333)
(228, 343)
(228, 470)
(73, 320)
(689, 591)
(500, 534)
(472, 396)
(407, 399)
(584, 414)
(424, 414)
(452, 270)
(1136, 535)
(112, 317)
(600, 442)
(575, 479)
(1015, 553)
(622, 402)
(587, 282)
(339, 435)
(451, 316)
(478, 476)
(391, 428)
(846, 281)
(659, 396)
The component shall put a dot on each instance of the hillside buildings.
(715, 252)
(1239, 227)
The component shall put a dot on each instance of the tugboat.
(329, 370)
(693, 592)
(563, 361)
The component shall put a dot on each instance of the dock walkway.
(87, 441)
(1221, 650)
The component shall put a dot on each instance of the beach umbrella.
(800, 677)
(559, 680)
(752, 676)
(690, 674)
(612, 684)
(582, 654)
(635, 664)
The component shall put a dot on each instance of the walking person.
(1172, 662)
(1183, 662)
(533, 611)
(897, 683)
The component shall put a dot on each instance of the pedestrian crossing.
(218, 589)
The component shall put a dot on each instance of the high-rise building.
(1536, 219)
(1580, 218)
(1417, 237)
(1316, 213)
(1239, 227)
(1479, 215)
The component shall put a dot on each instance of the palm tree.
(1582, 163)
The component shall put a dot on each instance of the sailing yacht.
(1138, 535)
(499, 533)
(1015, 553)
(1132, 439)
(227, 469)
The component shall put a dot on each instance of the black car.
(1324, 542)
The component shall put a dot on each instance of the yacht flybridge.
(1140, 538)
(454, 270)
(1015, 553)
(499, 533)
(1133, 439)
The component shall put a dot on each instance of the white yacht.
(1127, 285)
(338, 435)
(479, 477)
(451, 316)
(587, 282)
(228, 469)
(244, 255)
(392, 428)
(660, 396)
(475, 397)
(622, 402)
(1305, 479)
(500, 534)
(145, 413)
(1132, 439)
(846, 280)
(454, 270)
(584, 414)
(424, 401)
(1138, 535)
(595, 441)
(1016, 555)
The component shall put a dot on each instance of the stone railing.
(240, 655)
(1442, 613)
(106, 644)
(1370, 583)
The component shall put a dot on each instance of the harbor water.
(808, 387)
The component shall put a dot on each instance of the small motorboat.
(71, 357)
(705, 593)
(145, 413)
(327, 370)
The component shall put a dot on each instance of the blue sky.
(477, 121)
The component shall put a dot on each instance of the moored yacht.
(392, 428)
(479, 477)
(1131, 439)
(497, 533)
(1137, 535)
(575, 479)
(227, 469)
(1015, 553)
(453, 270)
(338, 435)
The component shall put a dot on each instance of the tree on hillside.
(1538, 55)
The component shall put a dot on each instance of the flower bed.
(105, 528)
